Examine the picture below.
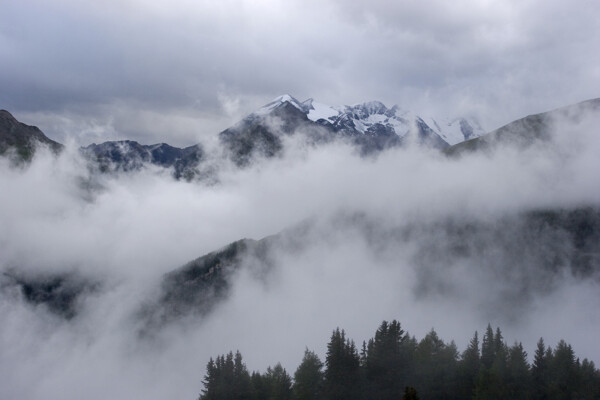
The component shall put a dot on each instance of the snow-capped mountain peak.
(373, 116)
(455, 130)
(372, 124)
(278, 101)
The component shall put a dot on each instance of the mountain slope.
(22, 139)
(526, 131)
(59, 293)
(261, 133)
(128, 155)
(528, 253)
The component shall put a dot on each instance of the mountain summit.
(371, 126)
(374, 118)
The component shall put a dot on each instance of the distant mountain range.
(552, 238)
(371, 127)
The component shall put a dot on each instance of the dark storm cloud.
(181, 71)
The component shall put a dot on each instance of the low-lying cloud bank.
(378, 247)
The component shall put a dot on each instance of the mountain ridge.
(525, 131)
(371, 127)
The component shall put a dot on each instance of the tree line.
(394, 365)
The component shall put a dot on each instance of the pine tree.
(278, 383)
(563, 372)
(488, 348)
(210, 381)
(242, 387)
(342, 374)
(226, 379)
(309, 378)
(518, 374)
(589, 381)
(383, 364)
(260, 390)
(491, 383)
(469, 369)
(540, 373)
(436, 365)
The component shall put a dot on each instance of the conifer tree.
(383, 365)
(589, 381)
(563, 372)
(260, 387)
(469, 369)
(226, 379)
(435, 366)
(308, 378)
(488, 348)
(342, 375)
(392, 358)
(491, 383)
(241, 378)
(518, 380)
(278, 383)
(540, 372)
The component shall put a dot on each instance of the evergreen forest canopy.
(395, 365)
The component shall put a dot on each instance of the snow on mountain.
(319, 111)
(374, 118)
(285, 98)
(372, 114)
(456, 130)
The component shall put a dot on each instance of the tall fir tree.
(469, 369)
(226, 379)
(589, 381)
(342, 373)
(563, 372)
(309, 378)
(518, 380)
(491, 382)
(383, 363)
(488, 348)
(436, 365)
(540, 372)
(278, 383)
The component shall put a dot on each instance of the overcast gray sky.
(181, 71)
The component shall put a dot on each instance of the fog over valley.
(507, 236)
(200, 199)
